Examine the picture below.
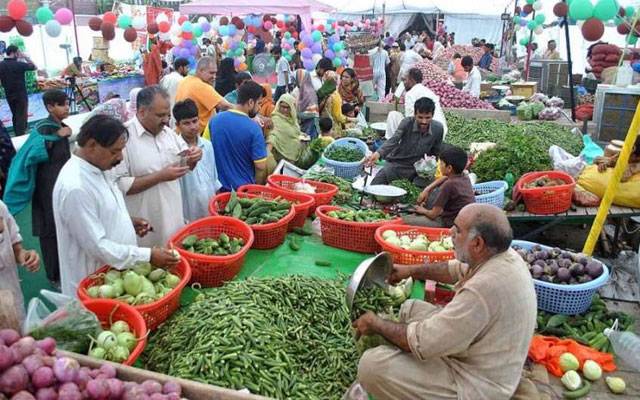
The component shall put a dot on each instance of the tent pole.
(526, 69)
(75, 27)
(570, 67)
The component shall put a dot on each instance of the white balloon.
(537, 5)
(162, 17)
(139, 22)
(202, 20)
(165, 36)
(53, 28)
(316, 58)
(175, 40)
(175, 30)
(538, 30)
(215, 24)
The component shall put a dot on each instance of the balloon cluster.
(535, 24)
(311, 49)
(184, 37)
(53, 22)
(593, 15)
(18, 9)
(232, 32)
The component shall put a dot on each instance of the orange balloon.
(301, 46)
(242, 67)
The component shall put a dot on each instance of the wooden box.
(526, 89)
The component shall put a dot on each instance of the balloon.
(337, 47)
(524, 41)
(175, 40)
(527, 9)
(605, 9)
(224, 21)
(632, 39)
(162, 17)
(629, 11)
(581, 9)
(560, 9)
(197, 31)
(24, 28)
(138, 22)
(205, 26)
(531, 1)
(308, 65)
(108, 31)
(154, 28)
(182, 19)
(94, 23)
(537, 5)
(64, 16)
(523, 22)
(164, 26)
(187, 35)
(516, 19)
(623, 29)
(287, 35)
(53, 28)
(242, 67)
(44, 15)
(186, 26)
(539, 19)
(306, 53)
(316, 36)
(232, 29)
(6, 23)
(194, 50)
(110, 17)
(202, 20)
(239, 52)
(329, 54)
(223, 30)
(124, 21)
(268, 25)
(532, 24)
(337, 62)
(17, 9)
(130, 35)
(239, 24)
(592, 29)
(538, 30)
(251, 29)
(280, 24)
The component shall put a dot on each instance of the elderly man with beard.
(473, 348)
(92, 223)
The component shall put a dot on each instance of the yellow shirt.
(203, 94)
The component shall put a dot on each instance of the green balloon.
(581, 9)
(124, 21)
(197, 31)
(524, 41)
(531, 1)
(287, 34)
(629, 11)
(617, 20)
(632, 39)
(43, 15)
(540, 18)
(239, 52)
(337, 62)
(532, 24)
(516, 19)
(287, 56)
(605, 9)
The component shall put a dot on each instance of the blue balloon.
(224, 30)
(232, 30)
(329, 54)
(308, 65)
(187, 26)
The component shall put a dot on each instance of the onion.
(46, 394)
(43, 377)
(9, 336)
(69, 391)
(172, 387)
(23, 348)
(108, 370)
(66, 369)
(6, 357)
(48, 345)
(116, 388)
(98, 389)
(14, 380)
(23, 395)
(32, 363)
(151, 386)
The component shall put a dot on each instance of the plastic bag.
(70, 324)
(426, 167)
(566, 162)
(591, 150)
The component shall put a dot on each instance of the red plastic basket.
(108, 311)
(302, 202)
(153, 313)
(406, 257)
(266, 236)
(324, 191)
(211, 271)
(348, 235)
(546, 200)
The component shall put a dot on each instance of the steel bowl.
(370, 272)
(385, 193)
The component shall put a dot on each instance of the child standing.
(455, 192)
(326, 126)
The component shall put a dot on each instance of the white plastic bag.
(566, 162)
(426, 167)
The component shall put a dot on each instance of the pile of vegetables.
(412, 190)
(419, 243)
(370, 215)
(114, 344)
(72, 326)
(521, 148)
(559, 266)
(592, 372)
(141, 284)
(550, 113)
(222, 246)
(286, 337)
(311, 154)
(464, 50)
(604, 56)
(586, 328)
(345, 191)
(528, 111)
(452, 97)
(544, 181)
(344, 154)
(256, 210)
(29, 370)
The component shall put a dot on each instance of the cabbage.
(111, 276)
(569, 362)
(107, 292)
(394, 241)
(118, 286)
(142, 268)
(418, 246)
(147, 287)
(157, 274)
(132, 283)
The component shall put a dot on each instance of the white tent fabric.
(467, 27)
(478, 7)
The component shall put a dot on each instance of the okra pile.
(256, 210)
(287, 337)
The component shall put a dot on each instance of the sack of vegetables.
(346, 156)
(154, 292)
(353, 230)
(215, 248)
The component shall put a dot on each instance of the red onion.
(43, 377)
(66, 369)
(9, 336)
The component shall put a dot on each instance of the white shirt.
(170, 84)
(281, 68)
(473, 83)
(92, 224)
(199, 185)
(379, 60)
(161, 204)
(316, 81)
(438, 49)
(407, 61)
(419, 91)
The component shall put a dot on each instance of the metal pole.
(570, 67)
(45, 3)
(526, 66)
(75, 27)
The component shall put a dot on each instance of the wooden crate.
(100, 43)
(526, 89)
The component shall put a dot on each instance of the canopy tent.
(303, 8)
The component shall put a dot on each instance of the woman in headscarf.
(284, 138)
(330, 103)
(350, 89)
(226, 77)
(132, 109)
(307, 103)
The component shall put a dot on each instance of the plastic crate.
(324, 191)
(266, 236)
(346, 170)
(546, 200)
(210, 270)
(302, 202)
(564, 299)
(491, 192)
(109, 311)
(153, 313)
(348, 235)
(408, 257)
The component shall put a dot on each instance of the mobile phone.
(183, 157)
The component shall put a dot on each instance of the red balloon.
(95, 23)
(187, 35)
(274, 20)
(130, 35)
(528, 8)
(280, 24)
(224, 21)
(592, 29)
(164, 26)
(294, 34)
(622, 12)
(266, 18)
(152, 28)
(234, 20)
(17, 9)
(108, 31)
(24, 28)
(182, 19)
(6, 23)
(623, 29)
(251, 29)
(321, 28)
(110, 17)
(560, 9)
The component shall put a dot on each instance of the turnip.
(23, 395)
(14, 380)
(6, 357)
(151, 386)
(48, 345)
(9, 336)
(32, 363)
(119, 327)
(43, 377)
(66, 369)
(46, 394)
(98, 389)
(108, 370)
(127, 339)
(172, 387)
(107, 340)
(116, 388)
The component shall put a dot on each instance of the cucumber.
(576, 394)
(294, 244)
(323, 263)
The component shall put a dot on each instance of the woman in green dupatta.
(284, 138)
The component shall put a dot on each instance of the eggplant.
(530, 258)
(563, 275)
(537, 271)
(594, 269)
(540, 263)
(576, 269)
(584, 278)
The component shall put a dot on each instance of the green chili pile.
(344, 154)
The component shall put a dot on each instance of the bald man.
(474, 347)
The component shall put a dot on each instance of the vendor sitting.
(415, 137)
(74, 69)
(473, 348)
(633, 167)
(452, 192)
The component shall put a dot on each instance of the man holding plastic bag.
(416, 137)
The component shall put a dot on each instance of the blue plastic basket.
(346, 170)
(564, 299)
(491, 192)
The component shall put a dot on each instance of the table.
(73, 121)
